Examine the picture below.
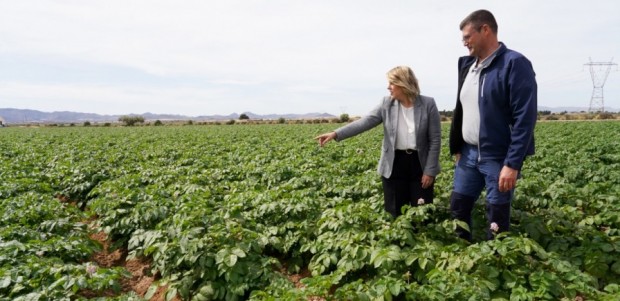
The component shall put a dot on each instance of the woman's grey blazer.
(427, 130)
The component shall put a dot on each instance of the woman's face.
(396, 91)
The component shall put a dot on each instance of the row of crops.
(232, 212)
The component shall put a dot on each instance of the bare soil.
(141, 277)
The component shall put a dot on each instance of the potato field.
(261, 212)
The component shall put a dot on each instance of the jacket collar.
(416, 101)
(466, 61)
(395, 109)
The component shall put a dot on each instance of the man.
(493, 127)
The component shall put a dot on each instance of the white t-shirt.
(471, 110)
(405, 131)
(469, 99)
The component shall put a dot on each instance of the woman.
(411, 141)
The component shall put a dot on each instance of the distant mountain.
(21, 116)
(32, 116)
(10, 115)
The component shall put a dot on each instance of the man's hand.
(507, 179)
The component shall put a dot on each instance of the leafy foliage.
(230, 221)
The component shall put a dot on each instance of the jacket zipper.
(484, 76)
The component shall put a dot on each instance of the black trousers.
(404, 186)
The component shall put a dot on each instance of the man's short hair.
(479, 18)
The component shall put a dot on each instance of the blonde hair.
(403, 77)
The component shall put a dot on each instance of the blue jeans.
(472, 175)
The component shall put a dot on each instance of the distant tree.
(344, 117)
(158, 123)
(107, 124)
(544, 113)
(131, 120)
(281, 120)
(604, 115)
(232, 121)
(190, 122)
(446, 113)
(243, 116)
(86, 123)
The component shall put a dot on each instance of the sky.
(202, 57)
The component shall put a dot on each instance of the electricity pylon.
(599, 72)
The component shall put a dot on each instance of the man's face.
(472, 39)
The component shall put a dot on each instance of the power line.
(599, 72)
(564, 80)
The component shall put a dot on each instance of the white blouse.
(405, 136)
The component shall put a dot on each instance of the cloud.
(269, 56)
